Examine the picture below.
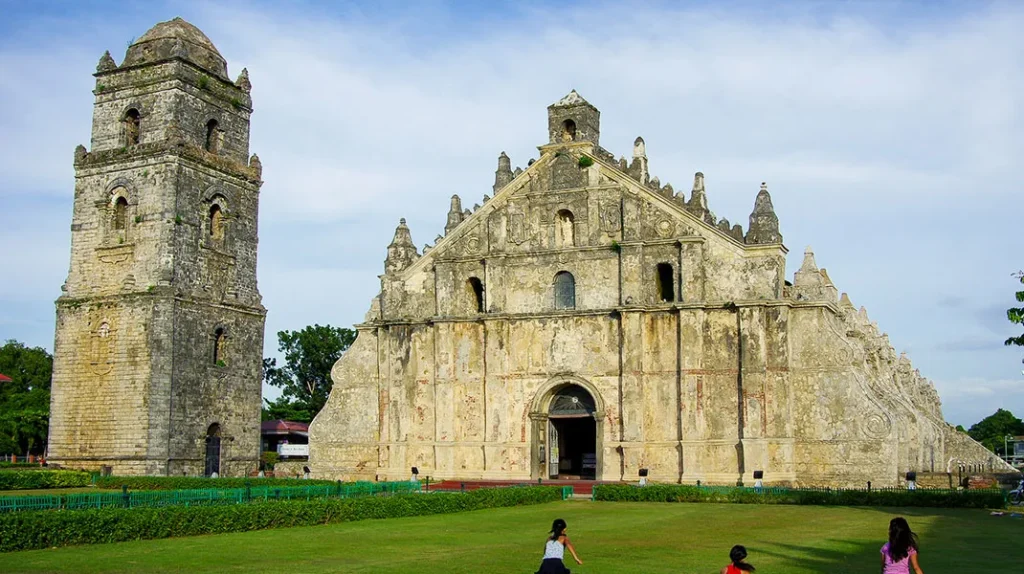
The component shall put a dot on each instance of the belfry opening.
(572, 435)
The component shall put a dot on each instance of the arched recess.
(120, 196)
(216, 217)
(565, 290)
(214, 137)
(565, 229)
(542, 421)
(568, 130)
(212, 452)
(220, 347)
(475, 294)
(132, 121)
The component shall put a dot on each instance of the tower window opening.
(565, 290)
(568, 131)
(565, 232)
(212, 144)
(476, 288)
(120, 213)
(132, 127)
(666, 284)
(219, 347)
(216, 223)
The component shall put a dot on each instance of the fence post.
(125, 496)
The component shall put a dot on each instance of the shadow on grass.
(951, 540)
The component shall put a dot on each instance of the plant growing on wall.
(585, 161)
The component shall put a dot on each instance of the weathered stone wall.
(728, 371)
(155, 278)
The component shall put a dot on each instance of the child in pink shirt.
(900, 552)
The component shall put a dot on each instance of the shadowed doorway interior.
(572, 432)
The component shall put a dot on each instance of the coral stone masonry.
(589, 322)
(158, 351)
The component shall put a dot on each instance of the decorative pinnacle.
(639, 147)
(106, 63)
(243, 82)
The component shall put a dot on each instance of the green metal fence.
(204, 497)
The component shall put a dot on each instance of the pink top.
(901, 567)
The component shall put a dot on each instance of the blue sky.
(889, 135)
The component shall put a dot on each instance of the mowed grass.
(611, 538)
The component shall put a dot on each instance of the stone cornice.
(153, 150)
(608, 311)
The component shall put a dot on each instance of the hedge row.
(44, 529)
(38, 479)
(5, 465)
(986, 498)
(198, 482)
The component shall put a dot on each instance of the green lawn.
(611, 538)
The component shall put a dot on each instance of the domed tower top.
(177, 39)
(573, 119)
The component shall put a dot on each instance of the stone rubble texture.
(135, 384)
(740, 371)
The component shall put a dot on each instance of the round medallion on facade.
(666, 228)
(877, 425)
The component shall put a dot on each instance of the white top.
(554, 549)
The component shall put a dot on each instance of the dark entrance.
(572, 435)
(212, 450)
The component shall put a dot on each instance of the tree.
(25, 401)
(305, 378)
(1016, 314)
(991, 430)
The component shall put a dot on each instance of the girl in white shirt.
(554, 550)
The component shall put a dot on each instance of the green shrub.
(4, 465)
(196, 482)
(26, 479)
(47, 529)
(585, 161)
(986, 498)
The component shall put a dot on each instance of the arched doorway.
(212, 450)
(567, 431)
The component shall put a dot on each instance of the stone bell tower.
(159, 339)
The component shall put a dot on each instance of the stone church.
(588, 322)
(159, 339)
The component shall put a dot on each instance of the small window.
(565, 230)
(132, 127)
(212, 144)
(216, 223)
(476, 290)
(120, 213)
(219, 347)
(568, 131)
(666, 283)
(565, 290)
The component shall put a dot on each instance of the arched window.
(212, 466)
(565, 231)
(565, 290)
(568, 131)
(212, 144)
(219, 347)
(120, 213)
(216, 223)
(666, 284)
(476, 291)
(132, 127)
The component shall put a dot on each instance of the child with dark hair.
(554, 550)
(900, 552)
(737, 556)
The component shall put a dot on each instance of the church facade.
(159, 338)
(589, 322)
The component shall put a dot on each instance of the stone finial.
(764, 224)
(80, 153)
(845, 303)
(824, 275)
(454, 215)
(668, 190)
(402, 252)
(503, 176)
(639, 148)
(724, 225)
(106, 63)
(623, 164)
(809, 265)
(698, 204)
(517, 172)
(256, 166)
(243, 82)
(737, 232)
(810, 283)
(655, 183)
(638, 169)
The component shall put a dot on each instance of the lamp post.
(1006, 451)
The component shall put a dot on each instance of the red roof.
(283, 427)
(4, 378)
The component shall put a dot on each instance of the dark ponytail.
(901, 539)
(557, 528)
(737, 554)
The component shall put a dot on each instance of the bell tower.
(159, 338)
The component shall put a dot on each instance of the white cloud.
(890, 145)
